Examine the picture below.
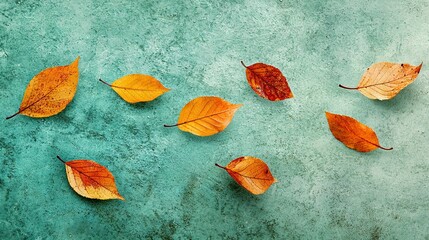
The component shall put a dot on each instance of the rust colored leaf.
(352, 133)
(385, 80)
(136, 88)
(251, 173)
(49, 92)
(91, 180)
(268, 81)
(205, 116)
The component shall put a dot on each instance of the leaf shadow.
(404, 100)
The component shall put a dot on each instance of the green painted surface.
(168, 177)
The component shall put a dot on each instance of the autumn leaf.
(49, 92)
(205, 116)
(91, 180)
(268, 81)
(136, 88)
(385, 80)
(251, 173)
(352, 133)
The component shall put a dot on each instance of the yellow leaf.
(385, 80)
(91, 180)
(136, 88)
(352, 133)
(49, 92)
(251, 173)
(205, 116)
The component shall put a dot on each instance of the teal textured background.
(168, 177)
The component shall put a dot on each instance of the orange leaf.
(91, 180)
(136, 88)
(268, 81)
(251, 173)
(49, 92)
(385, 80)
(205, 116)
(352, 133)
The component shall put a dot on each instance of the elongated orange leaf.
(352, 133)
(385, 80)
(268, 81)
(91, 180)
(251, 173)
(136, 88)
(205, 116)
(49, 92)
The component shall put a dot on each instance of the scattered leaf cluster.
(50, 91)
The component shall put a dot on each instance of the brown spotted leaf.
(268, 81)
(251, 173)
(50, 91)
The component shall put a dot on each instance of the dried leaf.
(385, 80)
(136, 88)
(205, 116)
(352, 133)
(251, 173)
(49, 92)
(268, 81)
(91, 180)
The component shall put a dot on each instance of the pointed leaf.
(49, 92)
(385, 80)
(205, 116)
(251, 173)
(136, 88)
(352, 133)
(268, 81)
(91, 180)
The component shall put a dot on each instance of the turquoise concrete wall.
(168, 177)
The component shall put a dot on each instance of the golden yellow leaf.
(251, 173)
(49, 92)
(136, 88)
(91, 180)
(352, 133)
(385, 80)
(205, 116)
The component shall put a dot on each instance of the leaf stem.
(174, 125)
(13, 115)
(217, 165)
(350, 88)
(242, 63)
(384, 148)
(101, 80)
(59, 158)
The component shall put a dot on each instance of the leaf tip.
(75, 62)
(419, 67)
(327, 114)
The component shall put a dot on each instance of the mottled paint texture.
(168, 177)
